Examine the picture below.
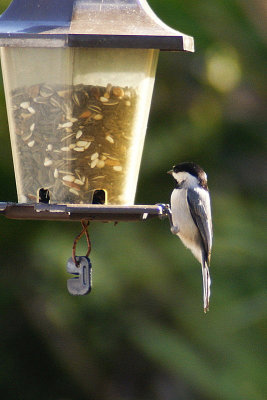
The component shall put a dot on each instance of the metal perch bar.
(78, 212)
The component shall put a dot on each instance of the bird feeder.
(78, 78)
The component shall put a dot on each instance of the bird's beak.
(170, 171)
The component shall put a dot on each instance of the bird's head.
(189, 174)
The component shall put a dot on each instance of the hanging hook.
(84, 231)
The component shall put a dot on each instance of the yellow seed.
(117, 168)
(98, 117)
(100, 164)
(118, 91)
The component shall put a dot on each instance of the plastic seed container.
(78, 119)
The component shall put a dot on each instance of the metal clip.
(81, 284)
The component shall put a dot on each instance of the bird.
(190, 217)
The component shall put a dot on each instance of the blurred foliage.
(141, 334)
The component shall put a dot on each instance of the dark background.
(142, 334)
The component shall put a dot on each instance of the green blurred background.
(142, 334)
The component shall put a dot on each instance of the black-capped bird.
(191, 216)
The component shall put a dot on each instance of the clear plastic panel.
(78, 120)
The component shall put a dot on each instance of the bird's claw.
(167, 212)
(174, 229)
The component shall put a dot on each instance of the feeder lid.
(88, 23)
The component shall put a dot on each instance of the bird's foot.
(165, 210)
(174, 229)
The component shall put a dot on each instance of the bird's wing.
(199, 205)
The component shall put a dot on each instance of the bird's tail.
(206, 285)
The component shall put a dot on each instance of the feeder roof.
(88, 23)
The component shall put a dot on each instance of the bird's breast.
(180, 211)
(181, 216)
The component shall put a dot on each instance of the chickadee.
(191, 216)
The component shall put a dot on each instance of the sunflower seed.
(46, 91)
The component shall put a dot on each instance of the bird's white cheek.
(187, 179)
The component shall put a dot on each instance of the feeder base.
(78, 212)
